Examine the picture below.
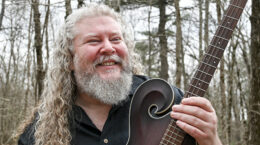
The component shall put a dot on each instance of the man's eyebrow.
(88, 35)
(116, 33)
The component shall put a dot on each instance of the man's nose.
(107, 48)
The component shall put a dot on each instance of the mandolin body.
(149, 114)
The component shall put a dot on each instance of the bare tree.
(254, 100)
(38, 46)
(200, 28)
(80, 3)
(178, 44)
(163, 41)
(68, 8)
(2, 14)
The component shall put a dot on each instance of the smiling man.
(91, 82)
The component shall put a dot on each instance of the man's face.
(100, 63)
(100, 47)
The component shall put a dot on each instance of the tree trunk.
(150, 41)
(68, 8)
(200, 29)
(45, 29)
(206, 25)
(80, 3)
(223, 114)
(178, 44)
(163, 40)
(230, 91)
(28, 65)
(2, 14)
(254, 100)
(38, 47)
(115, 4)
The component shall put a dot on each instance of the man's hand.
(197, 117)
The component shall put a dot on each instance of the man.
(90, 84)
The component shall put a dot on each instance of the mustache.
(103, 58)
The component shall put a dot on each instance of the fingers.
(192, 110)
(190, 121)
(197, 117)
(200, 102)
(191, 130)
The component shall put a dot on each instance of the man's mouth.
(110, 63)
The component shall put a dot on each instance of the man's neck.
(95, 109)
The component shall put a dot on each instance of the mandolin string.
(231, 10)
(198, 81)
(204, 67)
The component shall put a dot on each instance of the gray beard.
(107, 91)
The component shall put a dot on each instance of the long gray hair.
(52, 126)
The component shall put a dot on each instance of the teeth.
(108, 63)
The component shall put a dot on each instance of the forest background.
(169, 34)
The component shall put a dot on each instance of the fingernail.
(171, 114)
(183, 100)
(175, 107)
(178, 122)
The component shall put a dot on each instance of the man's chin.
(110, 77)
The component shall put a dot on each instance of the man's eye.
(116, 39)
(93, 41)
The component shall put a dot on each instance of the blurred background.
(169, 34)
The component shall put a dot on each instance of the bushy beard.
(107, 91)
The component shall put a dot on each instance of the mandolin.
(149, 121)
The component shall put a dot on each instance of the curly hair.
(55, 109)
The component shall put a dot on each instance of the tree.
(68, 8)
(254, 100)
(178, 44)
(38, 47)
(163, 40)
(2, 13)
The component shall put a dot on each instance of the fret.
(193, 94)
(174, 139)
(180, 131)
(237, 6)
(177, 135)
(221, 37)
(226, 28)
(174, 126)
(201, 80)
(162, 142)
(212, 56)
(209, 65)
(216, 47)
(205, 73)
(231, 17)
(169, 142)
(198, 88)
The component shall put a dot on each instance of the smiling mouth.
(108, 63)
